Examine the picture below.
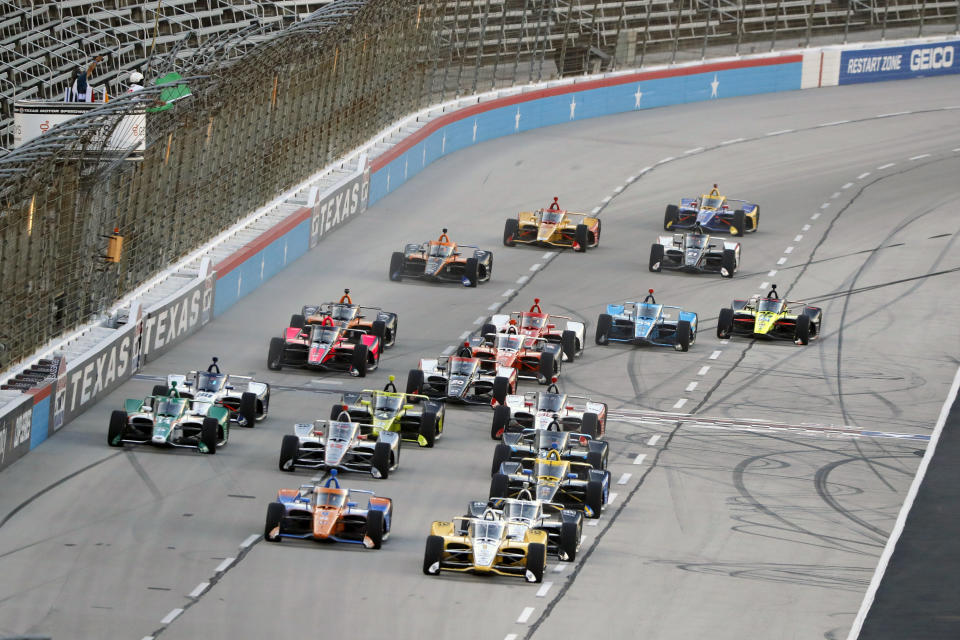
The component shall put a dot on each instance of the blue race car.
(647, 323)
(712, 212)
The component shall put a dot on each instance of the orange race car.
(534, 358)
(554, 227)
(380, 323)
(441, 260)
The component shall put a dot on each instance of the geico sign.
(934, 58)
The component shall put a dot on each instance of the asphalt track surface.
(719, 528)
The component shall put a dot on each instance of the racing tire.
(376, 527)
(656, 257)
(396, 266)
(590, 424)
(381, 459)
(499, 486)
(248, 409)
(118, 425)
(471, 272)
(501, 454)
(511, 229)
(379, 329)
(548, 368)
(297, 321)
(415, 382)
(683, 335)
(275, 514)
(569, 540)
(604, 326)
(725, 323)
(803, 329)
(739, 223)
(501, 388)
(596, 460)
(359, 360)
(160, 390)
(537, 560)
(289, 450)
(671, 216)
(728, 262)
(568, 341)
(582, 236)
(501, 419)
(594, 497)
(275, 354)
(488, 329)
(210, 434)
(432, 554)
(756, 219)
(428, 428)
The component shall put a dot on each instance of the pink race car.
(328, 345)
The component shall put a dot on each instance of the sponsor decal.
(339, 206)
(21, 428)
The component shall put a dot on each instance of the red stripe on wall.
(466, 112)
(227, 265)
(43, 392)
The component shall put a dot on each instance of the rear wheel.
(594, 497)
(501, 418)
(488, 329)
(359, 361)
(590, 424)
(725, 323)
(499, 486)
(275, 354)
(275, 514)
(596, 460)
(415, 381)
(511, 229)
(210, 434)
(803, 329)
(582, 235)
(376, 527)
(396, 266)
(728, 264)
(428, 428)
(671, 216)
(335, 412)
(568, 340)
(501, 454)
(683, 335)
(379, 329)
(569, 540)
(548, 368)
(537, 560)
(160, 390)
(248, 409)
(471, 272)
(739, 226)
(118, 425)
(297, 321)
(501, 388)
(289, 450)
(432, 555)
(656, 257)
(604, 325)
(381, 459)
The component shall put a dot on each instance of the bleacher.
(42, 42)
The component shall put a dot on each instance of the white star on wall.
(573, 107)
(388, 179)
(637, 96)
(263, 263)
(516, 120)
(713, 87)
(423, 160)
(406, 161)
(239, 282)
(443, 143)
(474, 130)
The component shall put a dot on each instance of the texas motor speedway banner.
(898, 63)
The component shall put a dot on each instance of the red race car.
(533, 358)
(534, 323)
(327, 345)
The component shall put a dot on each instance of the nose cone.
(484, 552)
(764, 323)
(324, 521)
(506, 359)
(318, 354)
(642, 329)
(692, 257)
(333, 455)
(456, 387)
(546, 492)
(433, 266)
(546, 231)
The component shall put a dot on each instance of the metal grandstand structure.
(280, 89)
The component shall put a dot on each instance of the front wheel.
(289, 450)
(415, 382)
(739, 225)
(359, 360)
(499, 486)
(604, 326)
(548, 368)
(728, 264)
(537, 560)
(511, 229)
(275, 355)
(248, 409)
(396, 266)
(471, 272)
(432, 555)
(501, 419)
(501, 388)
(725, 323)
(275, 514)
(568, 340)
(803, 329)
(428, 428)
(210, 435)
(381, 459)
(376, 527)
(118, 425)
(671, 216)
(582, 235)
(656, 257)
(683, 335)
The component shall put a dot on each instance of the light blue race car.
(647, 322)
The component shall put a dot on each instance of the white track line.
(895, 113)
(847, 186)
(223, 565)
(613, 496)
(522, 279)
(715, 355)
(764, 285)
(561, 565)
(666, 160)
(495, 306)
(805, 227)
(733, 141)
(835, 194)
(200, 588)
(595, 210)
(781, 132)
(692, 386)
(834, 123)
(618, 190)
(920, 157)
(508, 293)
(170, 617)
(479, 319)
(464, 336)
(863, 175)
(904, 511)
(510, 636)
(772, 273)
(448, 350)
(624, 478)
(825, 205)
(592, 522)
(525, 615)
(798, 237)
(535, 267)
(815, 216)
(256, 536)
(679, 403)
(606, 199)
(631, 179)
(640, 458)
(549, 255)
(781, 261)
(703, 370)
(694, 150)
(886, 166)
(650, 443)
(542, 591)
(788, 250)
(643, 171)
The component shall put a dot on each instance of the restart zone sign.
(897, 63)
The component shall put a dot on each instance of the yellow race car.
(486, 545)
(554, 227)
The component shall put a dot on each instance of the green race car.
(170, 421)
(415, 417)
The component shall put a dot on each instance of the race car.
(563, 330)
(553, 227)
(642, 323)
(170, 421)
(533, 358)
(550, 478)
(485, 545)
(563, 527)
(695, 252)
(465, 380)
(340, 444)
(415, 417)
(538, 409)
(328, 346)
(383, 323)
(572, 446)
(770, 317)
(712, 212)
(327, 512)
(441, 260)
(246, 400)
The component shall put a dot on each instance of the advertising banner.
(33, 118)
(339, 205)
(169, 323)
(899, 63)
(15, 429)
